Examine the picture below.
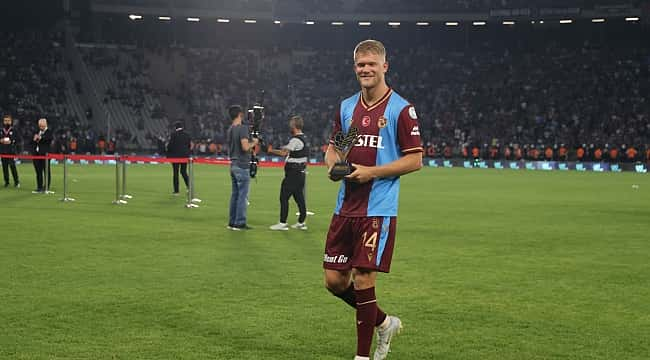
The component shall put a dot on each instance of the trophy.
(343, 143)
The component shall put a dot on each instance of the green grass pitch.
(488, 265)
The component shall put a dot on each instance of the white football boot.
(385, 335)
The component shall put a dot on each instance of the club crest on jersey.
(365, 122)
(412, 113)
(382, 122)
(375, 223)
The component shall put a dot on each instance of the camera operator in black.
(179, 146)
(8, 136)
(293, 184)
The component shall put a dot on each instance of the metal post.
(117, 200)
(124, 194)
(191, 201)
(194, 200)
(48, 175)
(65, 181)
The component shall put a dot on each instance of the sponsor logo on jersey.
(415, 131)
(336, 259)
(372, 141)
(365, 121)
(381, 123)
(412, 113)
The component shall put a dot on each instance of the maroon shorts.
(360, 242)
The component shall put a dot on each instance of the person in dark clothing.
(179, 146)
(8, 147)
(41, 143)
(293, 184)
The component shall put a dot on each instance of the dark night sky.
(29, 13)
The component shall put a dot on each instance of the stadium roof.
(299, 11)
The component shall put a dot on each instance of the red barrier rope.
(24, 157)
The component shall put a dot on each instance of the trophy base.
(340, 170)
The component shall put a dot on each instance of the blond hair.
(370, 46)
(297, 121)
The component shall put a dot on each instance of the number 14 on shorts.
(369, 243)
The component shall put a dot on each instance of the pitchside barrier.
(638, 167)
(121, 161)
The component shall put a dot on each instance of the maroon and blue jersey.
(388, 129)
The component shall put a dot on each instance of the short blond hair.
(297, 121)
(370, 46)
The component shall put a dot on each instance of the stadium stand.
(496, 88)
(36, 83)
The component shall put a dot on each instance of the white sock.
(361, 358)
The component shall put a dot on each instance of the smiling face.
(370, 63)
(370, 69)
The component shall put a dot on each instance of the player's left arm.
(408, 137)
(406, 164)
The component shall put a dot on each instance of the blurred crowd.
(33, 86)
(490, 101)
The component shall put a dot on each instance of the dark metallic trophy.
(343, 143)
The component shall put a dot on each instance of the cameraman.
(8, 147)
(239, 150)
(293, 184)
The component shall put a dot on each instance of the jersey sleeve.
(243, 132)
(336, 127)
(294, 145)
(408, 131)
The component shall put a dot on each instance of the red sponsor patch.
(365, 121)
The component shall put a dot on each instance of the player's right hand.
(333, 177)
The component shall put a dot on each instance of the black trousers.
(9, 164)
(39, 166)
(183, 170)
(293, 184)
